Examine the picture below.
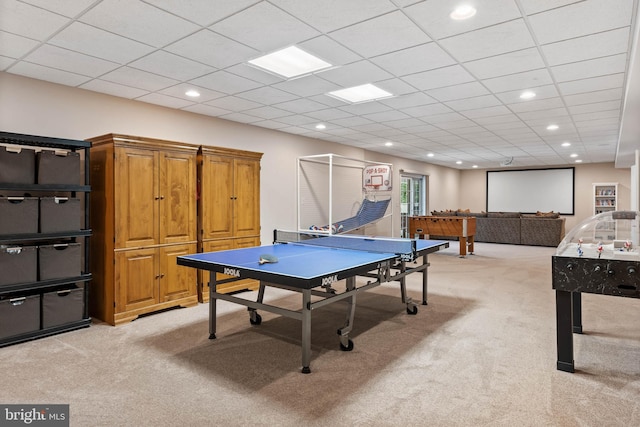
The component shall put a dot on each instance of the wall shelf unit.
(53, 253)
(605, 199)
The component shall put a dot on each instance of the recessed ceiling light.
(430, 155)
(290, 62)
(321, 126)
(388, 143)
(552, 127)
(474, 166)
(566, 144)
(578, 161)
(463, 11)
(362, 93)
(527, 95)
(573, 155)
(192, 93)
(459, 162)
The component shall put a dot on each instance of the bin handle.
(17, 301)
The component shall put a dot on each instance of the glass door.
(413, 200)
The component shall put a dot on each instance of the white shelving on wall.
(605, 199)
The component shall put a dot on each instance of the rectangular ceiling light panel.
(362, 93)
(290, 62)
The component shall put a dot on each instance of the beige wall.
(473, 189)
(40, 108)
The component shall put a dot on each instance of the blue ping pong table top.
(297, 263)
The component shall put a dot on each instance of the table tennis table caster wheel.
(347, 347)
(306, 370)
(255, 318)
(412, 309)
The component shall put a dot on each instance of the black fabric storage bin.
(19, 315)
(18, 264)
(59, 261)
(17, 166)
(58, 167)
(18, 215)
(62, 307)
(59, 214)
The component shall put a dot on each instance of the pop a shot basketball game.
(311, 264)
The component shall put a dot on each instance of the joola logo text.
(232, 272)
(329, 280)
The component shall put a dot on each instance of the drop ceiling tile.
(385, 116)
(534, 6)
(69, 8)
(427, 110)
(99, 43)
(536, 105)
(114, 89)
(307, 86)
(267, 95)
(351, 121)
(330, 15)
(355, 74)
(414, 59)
(179, 91)
(433, 16)
(587, 47)
(5, 62)
(591, 97)
(365, 108)
(14, 46)
(234, 103)
(329, 114)
(270, 124)
(508, 63)
(542, 92)
(595, 107)
(41, 23)
(474, 103)
(241, 118)
(172, 66)
(592, 68)
(250, 72)
(460, 91)
(207, 110)
(202, 12)
(544, 114)
(165, 100)
(47, 74)
(222, 81)
(443, 118)
(525, 80)
(497, 110)
(140, 79)
(265, 27)
(67, 60)
(371, 38)
(447, 76)
(221, 51)
(141, 22)
(396, 86)
(580, 19)
(327, 100)
(297, 120)
(612, 81)
(329, 50)
(410, 100)
(491, 41)
(300, 105)
(506, 118)
(268, 112)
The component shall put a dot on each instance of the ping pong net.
(404, 248)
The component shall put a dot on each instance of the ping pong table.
(310, 264)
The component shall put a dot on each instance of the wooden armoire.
(228, 207)
(143, 216)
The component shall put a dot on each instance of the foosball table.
(462, 227)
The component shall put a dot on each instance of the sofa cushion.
(503, 214)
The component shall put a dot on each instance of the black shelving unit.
(43, 287)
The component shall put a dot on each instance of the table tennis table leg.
(212, 305)
(306, 331)
(411, 307)
(345, 342)
(424, 279)
(254, 317)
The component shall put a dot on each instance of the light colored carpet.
(482, 353)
